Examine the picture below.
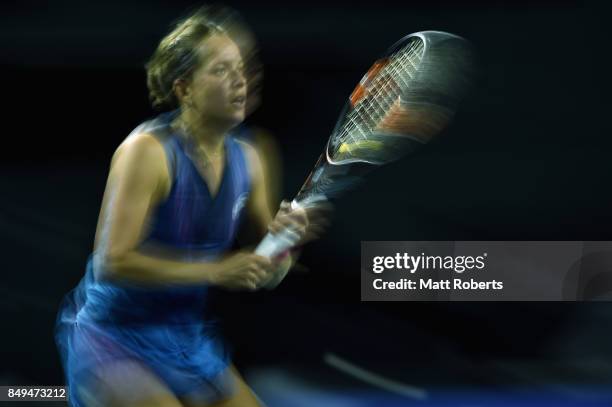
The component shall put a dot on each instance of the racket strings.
(383, 93)
(385, 89)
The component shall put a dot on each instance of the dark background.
(527, 158)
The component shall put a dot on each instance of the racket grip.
(273, 245)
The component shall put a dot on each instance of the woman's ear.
(182, 91)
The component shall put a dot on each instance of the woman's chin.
(238, 117)
(231, 119)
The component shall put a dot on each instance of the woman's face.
(217, 91)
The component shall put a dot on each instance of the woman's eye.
(220, 71)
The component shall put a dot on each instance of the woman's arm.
(259, 209)
(137, 182)
(308, 222)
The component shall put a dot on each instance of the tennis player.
(133, 332)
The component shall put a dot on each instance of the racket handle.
(273, 245)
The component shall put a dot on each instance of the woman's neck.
(204, 134)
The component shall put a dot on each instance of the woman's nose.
(238, 79)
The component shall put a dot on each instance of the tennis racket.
(406, 98)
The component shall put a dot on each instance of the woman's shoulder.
(251, 157)
(141, 151)
(246, 146)
(249, 151)
(144, 145)
(150, 135)
(148, 138)
(141, 159)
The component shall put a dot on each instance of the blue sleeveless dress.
(163, 327)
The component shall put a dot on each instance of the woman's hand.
(308, 223)
(242, 271)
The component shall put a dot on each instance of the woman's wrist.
(210, 272)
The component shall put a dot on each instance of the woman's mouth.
(238, 101)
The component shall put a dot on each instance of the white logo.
(239, 204)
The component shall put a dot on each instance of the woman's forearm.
(137, 267)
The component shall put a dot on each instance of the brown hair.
(177, 56)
